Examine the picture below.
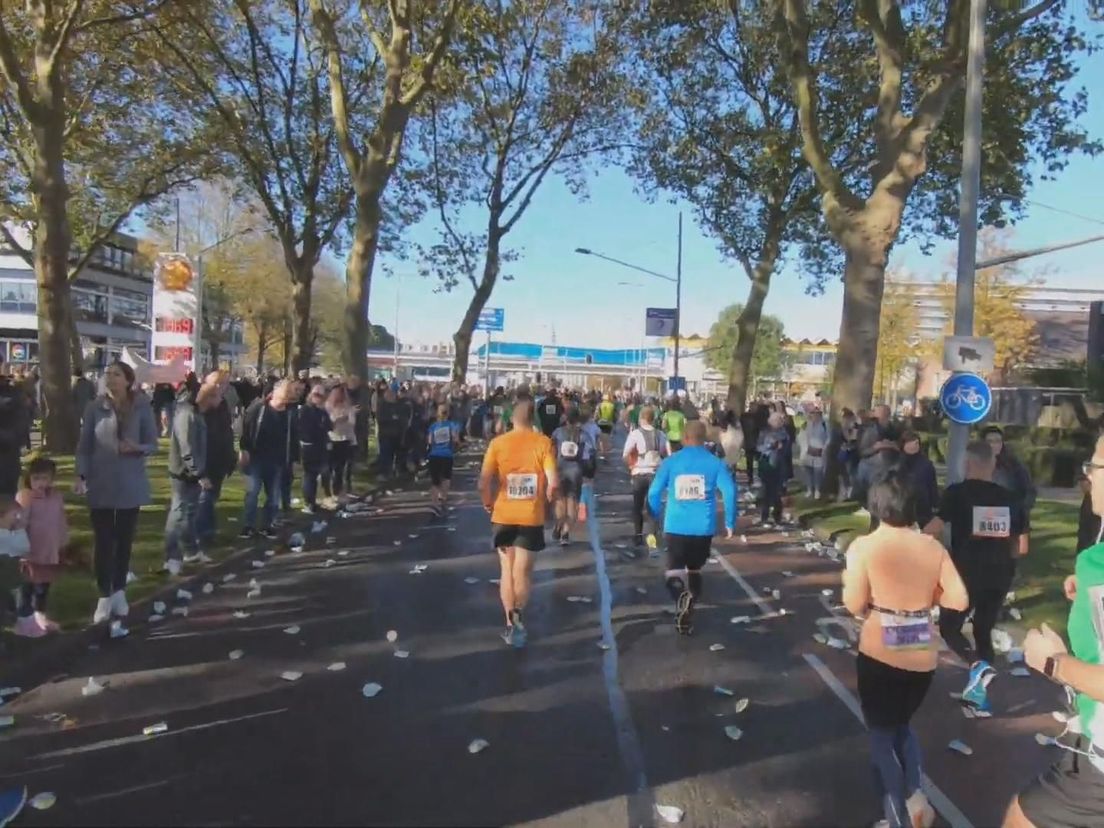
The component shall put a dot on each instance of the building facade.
(112, 305)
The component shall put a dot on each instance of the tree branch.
(9, 66)
(1027, 14)
(115, 19)
(436, 54)
(338, 97)
(64, 31)
(469, 265)
(25, 253)
(795, 32)
(883, 18)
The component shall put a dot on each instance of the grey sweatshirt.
(116, 481)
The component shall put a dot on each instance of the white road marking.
(128, 740)
(939, 800)
(764, 607)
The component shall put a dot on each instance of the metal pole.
(678, 297)
(398, 296)
(197, 335)
(967, 217)
(487, 365)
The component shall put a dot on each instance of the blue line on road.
(641, 803)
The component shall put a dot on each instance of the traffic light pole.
(967, 217)
(678, 299)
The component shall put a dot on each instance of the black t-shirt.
(985, 520)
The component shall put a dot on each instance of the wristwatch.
(1050, 667)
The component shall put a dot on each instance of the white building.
(112, 301)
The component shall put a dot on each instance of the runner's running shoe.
(520, 636)
(684, 609)
(976, 694)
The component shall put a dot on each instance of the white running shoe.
(118, 630)
(119, 605)
(173, 567)
(103, 611)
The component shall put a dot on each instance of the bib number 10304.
(690, 487)
(521, 487)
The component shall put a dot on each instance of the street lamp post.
(677, 279)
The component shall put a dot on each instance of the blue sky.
(579, 296)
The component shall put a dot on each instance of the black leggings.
(640, 485)
(114, 535)
(986, 604)
(32, 598)
(341, 461)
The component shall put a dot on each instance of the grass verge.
(73, 596)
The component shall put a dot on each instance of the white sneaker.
(920, 811)
(118, 630)
(103, 611)
(198, 557)
(172, 566)
(119, 605)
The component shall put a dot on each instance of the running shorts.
(440, 469)
(523, 537)
(688, 551)
(571, 479)
(888, 695)
(1069, 794)
(605, 428)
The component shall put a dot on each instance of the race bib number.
(690, 487)
(550, 410)
(906, 632)
(569, 450)
(521, 487)
(442, 436)
(992, 522)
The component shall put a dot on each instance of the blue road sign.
(965, 398)
(676, 383)
(491, 319)
(660, 321)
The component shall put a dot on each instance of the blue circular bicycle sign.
(965, 398)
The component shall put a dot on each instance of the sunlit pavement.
(606, 718)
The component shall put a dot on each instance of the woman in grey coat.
(117, 434)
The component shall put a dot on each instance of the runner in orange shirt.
(521, 465)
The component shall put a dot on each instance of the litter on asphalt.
(208, 588)
(292, 630)
(181, 611)
(603, 645)
(159, 607)
(478, 745)
(131, 578)
(579, 599)
(258, 564)
(43, 801)
(291, 675)
(392, 636)
(7, 721)
(959, 746)
(241, 614)
(471, 580)
(336, 667)
(234, 655)
(397, 543)
(740, 619)
(1044, 740)
(642, 590)
(154, 729)
(318, 527)
(722, 691)
(270, 553)
(92, 687)
(153, 619)
(402, 654)
(716, 648)
(344, 553)
(254, 593)
(742, 705)
(328, 563)
(670, 813)
(371, 690)
(183, 595)
(228, 577)
(734, 733)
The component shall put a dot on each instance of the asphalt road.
(606, 715)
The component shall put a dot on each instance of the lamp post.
(677, 279)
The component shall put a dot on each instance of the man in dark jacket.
(392, 419)
(14, 425)
(221, 458)
(269, 444)
(84, 391)
(315, 426)
(187, 475)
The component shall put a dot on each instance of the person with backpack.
(645, 448)
(575, 449)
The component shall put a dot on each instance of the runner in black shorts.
(441, 440)
(574, 450)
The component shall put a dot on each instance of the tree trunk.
(262, 346)
(492, 264)
(863, 285)
(214, 353)
(747, 324)
(53, 239)
(287, 346)
(303, 339)
(358, 284)
(76, 350)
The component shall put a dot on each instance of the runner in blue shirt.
(442, 438)
(691, 479)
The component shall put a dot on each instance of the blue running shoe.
(11, 804)
(976, 694)
(520, 635)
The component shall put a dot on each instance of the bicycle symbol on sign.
(968, 397)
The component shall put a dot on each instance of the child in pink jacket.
(44, 519)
